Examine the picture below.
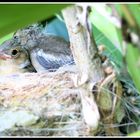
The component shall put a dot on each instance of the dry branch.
(90, 72)
(85, 54)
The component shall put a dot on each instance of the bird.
(30, 50)
(14, 59)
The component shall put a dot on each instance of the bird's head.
(24, 35)
(13, 57)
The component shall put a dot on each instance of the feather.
(52, 63)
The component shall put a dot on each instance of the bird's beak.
(4, 56)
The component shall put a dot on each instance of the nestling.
(14, 59)
(30, 50)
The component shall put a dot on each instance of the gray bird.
(31, 50)
(14, 59)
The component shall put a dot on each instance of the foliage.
(101, 18)
(15, 16)
(135, 134)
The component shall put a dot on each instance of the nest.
(55, 103)
(51, 97)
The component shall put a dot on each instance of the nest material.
(54, 99)
(50, 96)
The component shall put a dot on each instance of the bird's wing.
(51, 62)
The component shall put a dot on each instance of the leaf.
(101, 20)
(130, 12)
(133, 63)
(15, 16)
(135, 9)
(132, 51)
(110, 35)
(135, 134)
(6, 38)
(111, 52)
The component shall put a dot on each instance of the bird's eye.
(15, 52)
(15, 37)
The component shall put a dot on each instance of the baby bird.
(30, 50)
(14, 59)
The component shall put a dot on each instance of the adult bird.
(30, 50)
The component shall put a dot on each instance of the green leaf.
(133, 63)
(101, 19)
(130, 13)
(6, 38)
(135, 134)
(135, 9)
(15, 16)
(111, 52)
